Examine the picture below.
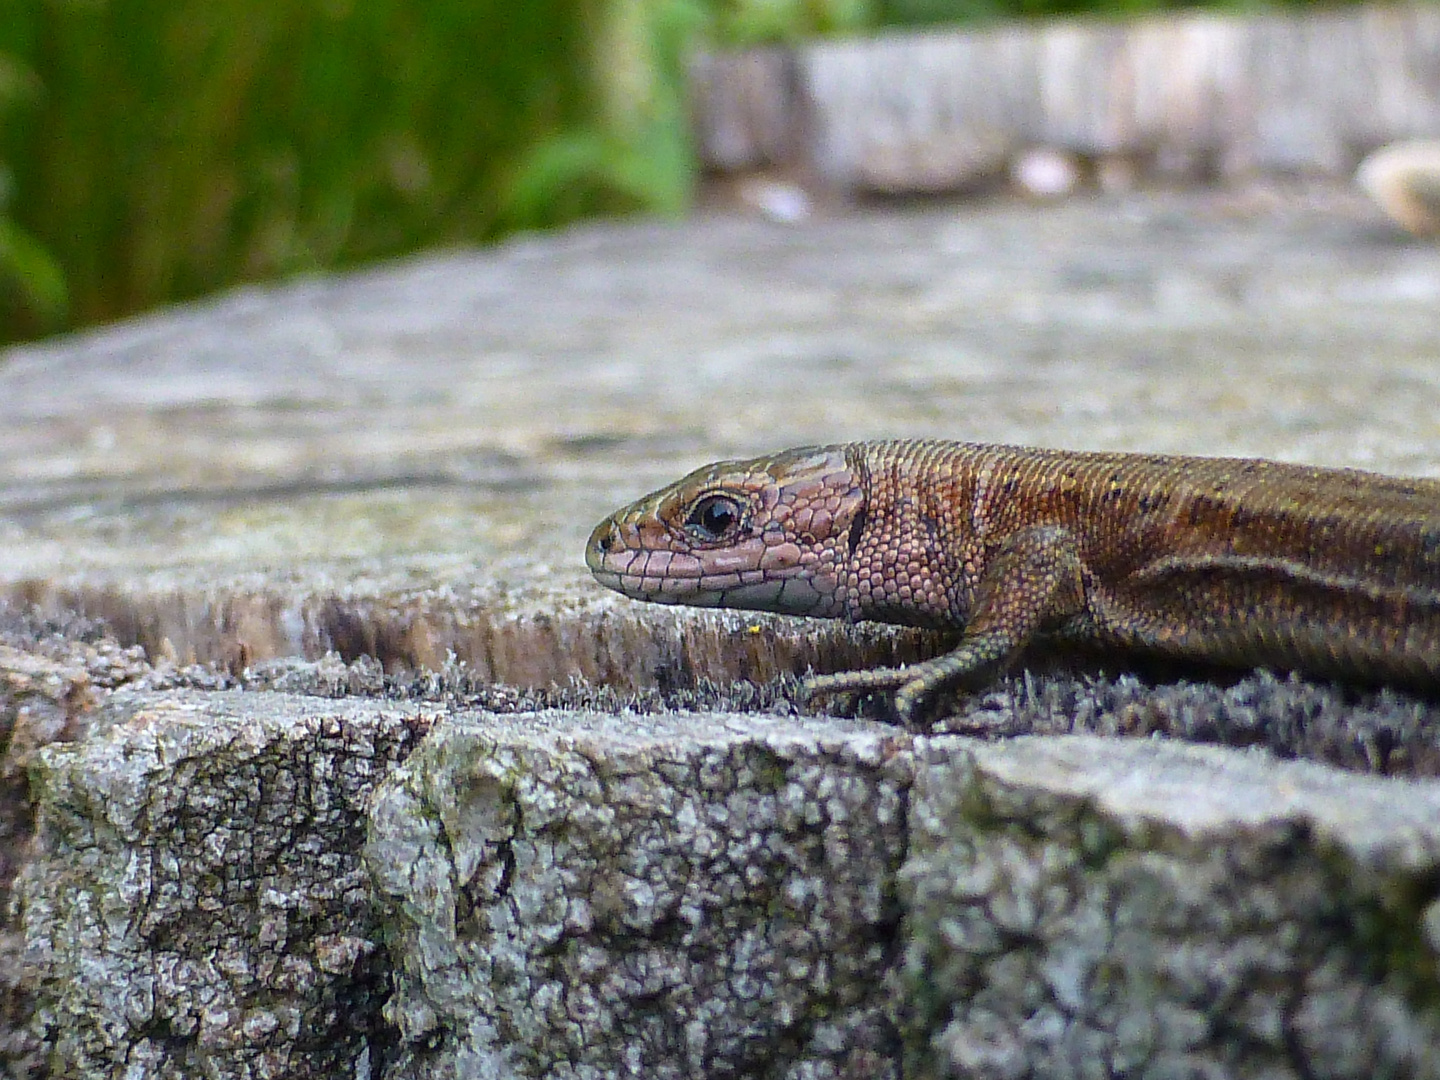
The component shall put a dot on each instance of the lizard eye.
(713, 517)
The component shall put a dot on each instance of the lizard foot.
(909, 686)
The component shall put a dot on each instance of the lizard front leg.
(1035, 581)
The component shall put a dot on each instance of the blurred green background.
(155, 150)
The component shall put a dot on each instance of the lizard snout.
(604, 539)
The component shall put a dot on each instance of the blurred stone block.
(1302, 94)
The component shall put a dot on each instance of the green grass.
(164, 150)
(32, 284)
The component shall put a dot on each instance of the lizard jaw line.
(784, 596)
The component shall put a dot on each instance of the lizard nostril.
(604, 540)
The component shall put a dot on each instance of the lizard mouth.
(619, 562)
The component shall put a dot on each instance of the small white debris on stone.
(1045, 173)
(1404, 180)
(778, 200)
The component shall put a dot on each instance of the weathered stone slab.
(233, 885)
(405, 463)
(53, 681)
(1192, 94)
(197, 905)
(1078, 907)
(580, 895)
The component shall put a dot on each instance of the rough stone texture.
(374, 490)
(1084, 908)
(197, 905)
(405, 463)
(572, 893)
(52, 680)
(579, 895)
(1380, 731)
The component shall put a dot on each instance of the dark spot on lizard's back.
(1010, 487)
(1153, 500)
(857, 528)
(1204, 509)
(1430, 544)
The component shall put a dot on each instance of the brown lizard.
(1227, 560)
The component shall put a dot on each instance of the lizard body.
(1229, 560)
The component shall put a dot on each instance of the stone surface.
(576, 895)
(197, 906)
(333, 514)
(52, 682)
(235, 884)
(1077, 907)
(405, 463)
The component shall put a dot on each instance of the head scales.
(768, 534)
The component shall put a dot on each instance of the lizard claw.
(907, 699)
(850, 686)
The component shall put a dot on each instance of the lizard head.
(770, 534)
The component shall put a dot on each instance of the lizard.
(1232, 561)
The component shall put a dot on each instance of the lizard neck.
(916, 555)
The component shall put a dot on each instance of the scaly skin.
(1335, 572)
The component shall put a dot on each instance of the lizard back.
(1230, 559)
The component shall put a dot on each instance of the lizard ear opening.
(857, 529)
(714, 517)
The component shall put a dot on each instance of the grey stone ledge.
(261, 884)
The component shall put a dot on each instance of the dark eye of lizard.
(713, 517)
